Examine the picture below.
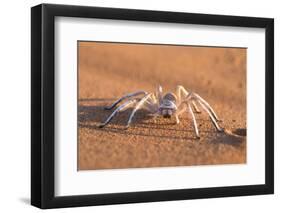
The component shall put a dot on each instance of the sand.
(109, 70)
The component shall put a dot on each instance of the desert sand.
(107, 71)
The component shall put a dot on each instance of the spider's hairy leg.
(194, 121)
(153, 106)
(123, 107)
(159, 94)
(152, 103)
(211, 116)
(182, 108)
(207, 105)
(130, 95)
(181, 92)
(182, 95)
(154, 99)
(177, 119)
(196, 109)
(138, 106)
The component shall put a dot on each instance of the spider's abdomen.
(170, 97)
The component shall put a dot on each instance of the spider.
(165, 105)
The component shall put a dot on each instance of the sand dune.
(108, 71)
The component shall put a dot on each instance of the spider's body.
(168, 105)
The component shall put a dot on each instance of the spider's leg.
(120, 108)
(196, 109)
(130, 95)
(154, 100)
(183, 109)
(182, 94)
(152, 108)
(194, 121)
(177, 119)
(211, 116)
(156, 105)
(159, 94)
(137, 107)
(151, 104)
(207, 106)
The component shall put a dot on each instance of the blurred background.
(218, 72)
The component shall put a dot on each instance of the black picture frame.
(43, 105)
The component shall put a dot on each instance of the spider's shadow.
(95, 113)
(91, 112)
(90, 116)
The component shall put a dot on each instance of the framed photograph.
(139, 106)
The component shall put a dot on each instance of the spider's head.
(168, 105)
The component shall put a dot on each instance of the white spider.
(167, 105)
